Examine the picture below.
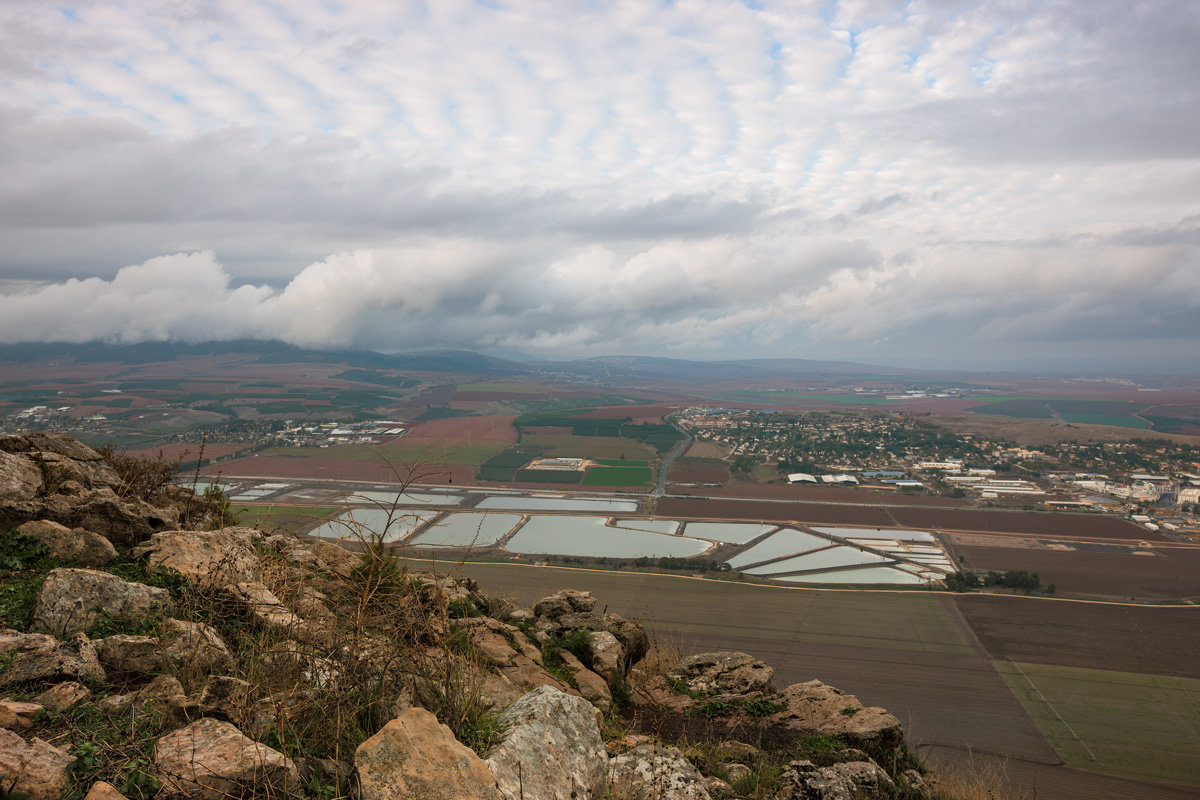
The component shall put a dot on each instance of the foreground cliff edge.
(149, 649)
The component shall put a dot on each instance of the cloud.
(863, 176)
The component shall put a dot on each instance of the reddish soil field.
(172, 452)
(492, 429)
(336, 469)
(816, 513)
(1039, 523)
(1152, 639)
(643, 412)
(684, 476)
(1166, 576)
(831, 494)
(1027, 522)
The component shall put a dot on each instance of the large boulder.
(219, 557)
(593, 687)
(724, 672)
(213, 760)
(850, 780)
(36, 658)
(123, 521)
(80, 546)
(654, 772)
(631, 634)
(20, 478)
(34, 770)
(815, 707)
(415, 756)
(76, 599)
(551, 748)
(58, 470)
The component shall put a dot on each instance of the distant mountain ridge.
(613, 368)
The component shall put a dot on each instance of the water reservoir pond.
(727, 532)
(366, 523)
(822, 559)
(870, 575)
(549, 504)
(590, 536)
(777, 545)
(668, 526)
(467, 529)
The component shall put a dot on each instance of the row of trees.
(1010, 579)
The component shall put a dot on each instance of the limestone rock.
(39, 442)
(593, 687)
(846, 781)
(267, 610)
(129, 655)
(499, 642)
(75, 599)
(63, 696)
(219, 557)
(16, 714)
(122, 521)
(62, 470)
(524, 671)
(212, 760)
(735, 749)
(655, 772)
(415, 756)
(724, 672)
(301, 662)
(102, 790)
(34, 769)
(195, 646)
(608, 657)
(564, 602)
(20, 479)
(227, 698)
(631, 634)
(551, 748)
(814, 707)
(35, 657)
(83, 547)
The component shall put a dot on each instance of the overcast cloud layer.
(937, 180)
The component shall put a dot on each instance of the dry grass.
(978, 779)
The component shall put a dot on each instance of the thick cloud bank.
(725, 297)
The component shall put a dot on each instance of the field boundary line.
(1054, 710)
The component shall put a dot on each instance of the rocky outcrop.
(209, 558)
(123, 654)
(591, 686)
(36, 657)
(213, 760)
(415, 756)
(564, 602)
(815, 707)
(724, 672)
(655, 772)
(850, 780)
(550, 750)
(507, 650)
(31, 769)
(76, 599)
(70, 545)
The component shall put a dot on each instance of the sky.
(1003, 184)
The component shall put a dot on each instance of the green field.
(566, 445)
(270, 518)
(620, 462)
(449, 452)
(1142, 726)
(512, 388)
(548, 476)
(617, 476)
(1115, 420)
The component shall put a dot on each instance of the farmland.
(1144, 726)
